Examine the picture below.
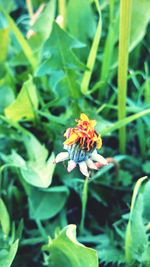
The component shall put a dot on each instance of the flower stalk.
(84, 204)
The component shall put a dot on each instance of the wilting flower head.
(81, 144)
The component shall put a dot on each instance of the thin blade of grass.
(147, 85)
(21, 40)
(124, 34)
(125, 121)
(92, 55)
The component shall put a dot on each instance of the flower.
(81, 144)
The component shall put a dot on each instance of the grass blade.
(121, 123)
(21, 40)
(92, 56)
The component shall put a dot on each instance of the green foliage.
(59, 59)
(137, 244)
(139, 21)
(9, 245)
(4, 218)
(16, 111)
(7, 256)
(38, 171)
(66, 250)
(45, 204)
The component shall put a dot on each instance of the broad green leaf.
(37, 152)
(39, 168)
(80, 20)
(25, 104)
(58, 56)
(139, 21)
(66, 251)
(39, 174)
(58, 51)
(7, 256)
(4, 218)
(45, 204)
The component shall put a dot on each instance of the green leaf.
(80, 20)
(39, 175)
(45, 18)
(25, 104)
(58, 51)
(7, 256)
(136, 242)
(6, 97)
(146, 201)
(8, 5)
(66, 251)
(125, 177)
(45, 204)
(111, 256)
(58, 56)
(139, 21)
(4, 218)
(146, 167)
(38, 170)
(136, 239)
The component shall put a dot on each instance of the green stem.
(147, 84)
(84, 203)
(29, 7)
(41, 229)
(124, 34)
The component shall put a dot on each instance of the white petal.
(61, 157)
(99, 158)
(71, 165)
(91, 164)
(83, 168)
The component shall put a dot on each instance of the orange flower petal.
(83, 117)
(92, 123)
(72, 139)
